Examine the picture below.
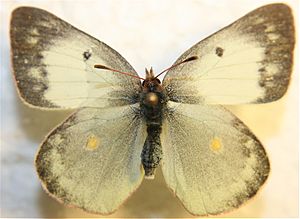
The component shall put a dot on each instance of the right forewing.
(249, 61)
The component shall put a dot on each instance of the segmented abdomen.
(152, 152)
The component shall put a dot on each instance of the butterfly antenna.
(115, 70)
(192, 58)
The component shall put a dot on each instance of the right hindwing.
(211, 160)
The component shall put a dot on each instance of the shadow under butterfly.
(123, 129)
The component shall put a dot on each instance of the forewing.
(53, 64)
(211, 160)
(92, 160)
(250, 61)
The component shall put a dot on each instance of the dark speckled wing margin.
(92, 160)
(53, 64)
(211, 160)
(249, 61)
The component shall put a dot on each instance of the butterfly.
(123, 129)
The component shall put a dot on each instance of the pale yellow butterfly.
(124, 129)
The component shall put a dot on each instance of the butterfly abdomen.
(152, 152)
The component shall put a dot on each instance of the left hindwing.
(211, 160)
(250, 61)
(92, 160)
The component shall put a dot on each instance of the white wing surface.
(211, 160)
(250, 61)
(54, 62)
(92, 160)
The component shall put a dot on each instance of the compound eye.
(143, 83)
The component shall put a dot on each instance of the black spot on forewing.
(86, 55)
(219, 51)
(272, 26)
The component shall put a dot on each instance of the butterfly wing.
(92, 160)
(54, 62)
(250, 61)
(211, 160)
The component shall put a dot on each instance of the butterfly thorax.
(152, 102)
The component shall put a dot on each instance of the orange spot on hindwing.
(92, 143)
(216, 145)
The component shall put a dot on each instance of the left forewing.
(250, 61)
(53, 64)
(211, 160)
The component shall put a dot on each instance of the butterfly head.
(151, 88)
(151, 83)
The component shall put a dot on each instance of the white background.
(147, 33)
